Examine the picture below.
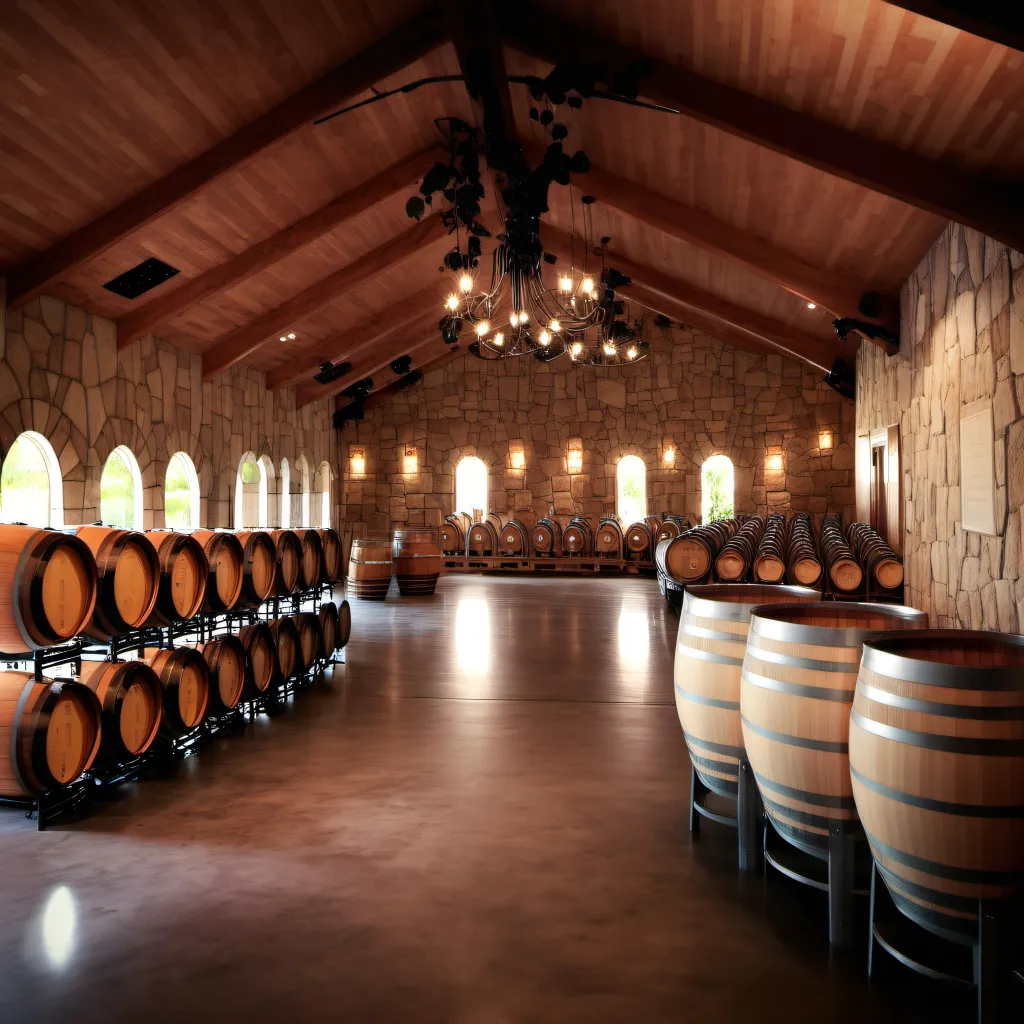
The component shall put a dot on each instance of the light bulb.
(555, 325)
(291, 336)
(545, 338)
(631, 352)
(812, 305)
(609, 348)
(499, 339)
(283, 338)
(577, 349)
(670, 456)
(466, 283)
(513, 319)
(482, 328)
(565, 283)
(588, 285)
(523, 317)
(452, 302)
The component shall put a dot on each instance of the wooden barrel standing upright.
(227, 661)
(47, 588)
(547, 537)
(329, 627)
(286, 637)
(185, 683)
(311, 640)
(288, 569)
(334, 565)
(130, 695)
(226, 558)
(578, 538)
(608, 538)
(482, 539)
(261, 664)
(344, 626)
(844, 571)
(49, 733)
(311, 567)
(417, 562)
(370, 568)
(937, 762)
(259, 566)
(803, 563)
(877, 559)
(770, 560)
(796, 690)
(710, 644)
(128, 579)
(183, 576)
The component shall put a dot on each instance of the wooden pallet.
(541, 566)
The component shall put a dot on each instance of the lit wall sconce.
(773, 463)
(410, 462)
(825, 440)
(574, 457)
(668, 457)
(357, 460)
(517, 457)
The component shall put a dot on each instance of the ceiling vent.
(139, 280)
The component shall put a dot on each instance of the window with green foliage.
(250, 473)
(26, 482)
(631, 489)
(118, 490)
(716, 489)
(181, 493)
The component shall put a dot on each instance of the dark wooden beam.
(1001, 21)
(262, 255)
(391, 54)
(234, 347)
(993, 207)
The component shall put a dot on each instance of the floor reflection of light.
(472, 635)
(634, 639)
(59, 927)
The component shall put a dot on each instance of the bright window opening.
(250, 494)
(631, 489)
(471, 486)
(716, 477)
(300, 500)
(286, 497)
(181, 493)
(121, 490)
(323, 494)
(31, 489)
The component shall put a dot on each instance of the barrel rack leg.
(749, 817)
(871, 920)
(989, 960)
(697, 790)
(841, 851)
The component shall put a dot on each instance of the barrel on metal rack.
(49, 733)
(688, 558)
(183, 575)
(482, 539)
(344, 626)
(311, 567)
(803, 563)
(311, 640)
(130, 695)
(639, 540)
(876, 558)
(227, 661)
(608, 538)
(47, 588)
(547, 536)
(370, 568)
(734, 560)
(796, 690)
(514, 539)
(185, 683)
(841, 563)
(288, 568)
(671, 526)
(286, 639)
(937, 760)
(712, 638)
(334, 565)
(770, 560)
(226, 558)
(329, 627)
(417, 561)
(128, 579)
(258, 566)
(578, 538)
(453, 533)
(261, 653)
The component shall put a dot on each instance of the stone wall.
(693, 393)
(962, 331)
(62, 376)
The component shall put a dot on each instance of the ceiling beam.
(993, 207)
(379, 395)
(235, 346)
(998, 22)
(396, 51)
(741, 322)
(337, 212)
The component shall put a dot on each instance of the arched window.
(631, 489)
(250, 494)
(267, 471)
(31, 488)
(121, 490)
(286, 497)
(181, 493)
(323, 494)
(716, 486)
(471, 486)
(300, 502)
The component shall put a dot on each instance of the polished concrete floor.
(481, 818)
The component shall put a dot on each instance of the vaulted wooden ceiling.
(819, 149)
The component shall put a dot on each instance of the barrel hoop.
(398, 555)
(797, 689)
(721, 659)
(922, 892)
(843, 803)
(804, 817)
(987, 713)
(781, 658)
(981, 745)
(711, 702)
(363, 561)
(712, 634)
(826, 746)
(971, 876)
(715, 748)
(799, 633)
(727, 767)
(707, 609)
(933, 673)
(939, 806)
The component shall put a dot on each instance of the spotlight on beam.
(402, 365)
(330, 372)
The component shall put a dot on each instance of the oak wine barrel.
(689, 557)
(329, 624)
(796, 690)
(514, 538)
(311, 567)
(183, 576)
(770, 560)
(311, 639)
(369, 568)
(228, 662)
(453, 533)
(261, 659)
(334, 566)
(547, 536)
(639, 540)
(877, 559)
(185, 684)
(736, 556)
(840, 562)
(608, 539)
(653, 524)
(344, 626)
(226, 558)
(578, 537)
(803, 564)
(671, 526)
(128, 579)
(131, 699)
(47, 588)
(710, 644)
(259, 566)
(482, 539)
(49, 733)
(417, 562)
(286, 639)
(288, 567)
(937, 762)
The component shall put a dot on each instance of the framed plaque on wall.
(977, 468)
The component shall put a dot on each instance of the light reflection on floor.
(59, 917)
(472, 636)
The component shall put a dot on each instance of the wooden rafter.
(1000, 22)
(234, 347)
(407, 44)
(434, 362)
(993, 207)
(263, 254)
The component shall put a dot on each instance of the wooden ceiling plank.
(263, 254)
(1000, 23)
(407, 44)
(993, 207)
(234, 347)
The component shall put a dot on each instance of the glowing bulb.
(670, 456)
(452, 302)
(523, 317)
(465, 283)
(609, 348)
(513, 319)
(545, 338)
(565, 283)
(631, 352)
(482, 328)
(555, 325)
(577, 349)
(291, 336)
(812, 305)
(499, 339)
(588, 285)
(283, 338)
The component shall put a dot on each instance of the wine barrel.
(578, 537)
(288, 567)
(334, 565)
(734, 560)
(547, 536)
(311, 568)
(261, 659)
(131, 699)
(329, 628)
(712, 638)
(185, 684)
(937, 762)
(49, 733)
(453, 533)
(311, 640)
(796, 689)
(497, 521)
(688, 558)
(514, 538)
(671, 526)
(369, 568)
(770, 560)
(877, 559)
(417, 562)
(608, 538)
(128, 579)
(639, 539)
(183, 575)
(653, 524)
(286, 640)
(259, 566)
(482, 539)
(803, 564)
(227, 661)
(226, 559)
(47, 588)
(344, 626)
(843, 569)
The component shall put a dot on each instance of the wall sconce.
(773, 463)
(410, 463)
(517, 457)
(668, 457)
(825, 440)
(574, 457)
(357, 460)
